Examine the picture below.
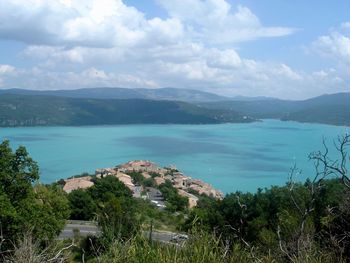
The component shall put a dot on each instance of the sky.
(290, 49)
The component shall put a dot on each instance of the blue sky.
(287, 49)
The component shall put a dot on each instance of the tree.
(51, 210)
(118, 219)
(338, 217)
(326, 166)
(116, 209)
(312, 218)
(82, 206)
(206, 215)
(108, 187)
(174, 201)
(17, 174)
(23, 207)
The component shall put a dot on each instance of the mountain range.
(329, 109)
(29, 110)
(187, 95)
(19, 107)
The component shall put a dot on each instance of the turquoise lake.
(229, 156)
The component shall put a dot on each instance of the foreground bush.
(200, 248)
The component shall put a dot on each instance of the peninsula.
(145, 178)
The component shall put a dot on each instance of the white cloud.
(89, 23)
(335, 46)
(286, 71)
(228, 58)
(6, 69)
(92, 43)
(215, 22)
(111, 23)
(248, 77)
(43, 79)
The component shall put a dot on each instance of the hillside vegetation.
(25, 110)
(187, 95)
(328, 109)
(168, 105)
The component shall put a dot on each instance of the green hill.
(328, 114)
(25, 110)
(329, 109)
(187, 95)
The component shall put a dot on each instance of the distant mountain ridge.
(28, 110)
(186, 95)
(329, 108)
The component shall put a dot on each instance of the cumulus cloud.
(6, 69)
(92, 43)
(335, 45)
(42, 79)
(89, 23)
(108, 23)
(216, 22)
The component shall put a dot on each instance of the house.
(141, 166)
(146, 175)
(159, 180)
(100, 173)
(77, 183)
(126, 179)
(192, 199)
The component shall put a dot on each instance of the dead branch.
(336, 167)
(61, 251)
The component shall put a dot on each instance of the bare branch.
(282, 248)
(61, 251)
(336, 167)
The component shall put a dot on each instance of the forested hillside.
(328, 109)
(124, 93)
(25, 110)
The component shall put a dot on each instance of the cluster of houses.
(185, 185)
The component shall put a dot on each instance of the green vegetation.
(123, 106)
(82, 205)
(174, 202)
(137, 177)
(124, 93)
(25, 205)
(22, 110)
(256, 219)
(328, 109)
(298, 222)
(201, 248)
(108, 187)
(330, 114)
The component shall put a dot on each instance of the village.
(185, 185)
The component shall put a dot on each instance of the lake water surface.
(229, 156)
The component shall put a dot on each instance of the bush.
(174, 202)
(82, 206)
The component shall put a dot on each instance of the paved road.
(160, 236)
(86, 228)
(82, 228)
